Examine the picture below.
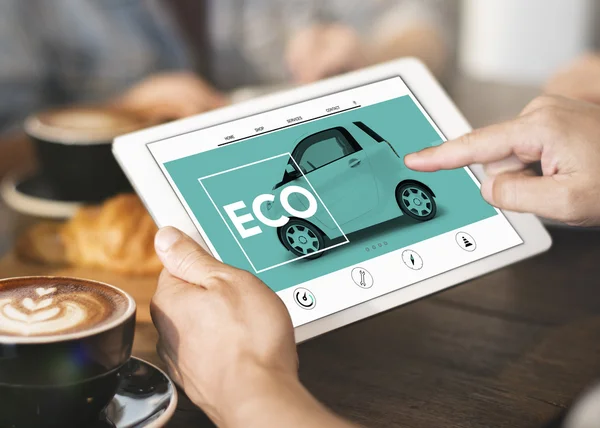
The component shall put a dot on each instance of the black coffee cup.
(61, 378)
(73, 146)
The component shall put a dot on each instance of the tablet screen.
(315, 199)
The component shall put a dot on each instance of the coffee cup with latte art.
(63, 342)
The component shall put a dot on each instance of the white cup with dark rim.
(63, 344)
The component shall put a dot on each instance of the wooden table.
(511, 349)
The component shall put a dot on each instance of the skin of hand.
(580, 80)
(560, 133)
(170, 96)
(322, 51)
(228, 341)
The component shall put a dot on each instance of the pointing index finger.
(483, 146)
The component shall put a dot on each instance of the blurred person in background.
(579, 80)
(169, 59)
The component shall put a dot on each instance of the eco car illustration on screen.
(360, 178)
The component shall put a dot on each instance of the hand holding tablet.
(303, 188)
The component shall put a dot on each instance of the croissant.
(117, 235)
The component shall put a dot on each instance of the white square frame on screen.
(164, 206)
(289, 155)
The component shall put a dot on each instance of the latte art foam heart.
(34, 310)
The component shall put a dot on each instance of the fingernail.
(412, 159)
(165, 238)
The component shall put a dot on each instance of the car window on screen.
(325, 151)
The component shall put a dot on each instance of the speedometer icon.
(304, 298)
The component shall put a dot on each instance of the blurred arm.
(392, 29)
(21, 82)
(579, 80)
(409, 28)
(422, 42)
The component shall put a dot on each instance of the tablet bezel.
(164, 206)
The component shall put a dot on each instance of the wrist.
(250, 388)
(253, 395)
(264, 397)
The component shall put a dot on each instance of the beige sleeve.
(398, 16)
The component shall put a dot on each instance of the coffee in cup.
(63, 342)
(73, 146)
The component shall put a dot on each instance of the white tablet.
(308, 190)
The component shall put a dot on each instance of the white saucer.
(146, 398)
(31, 195)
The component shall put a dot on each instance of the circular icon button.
(304, 298)
(412, 260)
(362, 277)
(466, 242)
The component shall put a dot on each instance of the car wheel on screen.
(416, 201)
(302, 238)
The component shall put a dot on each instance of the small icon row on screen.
(363, 278)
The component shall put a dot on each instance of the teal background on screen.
(399, 121)
(244, 185)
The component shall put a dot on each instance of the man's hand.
(561, 133)
(322, 51)
(171, 96)
(228, 341)
(581, 80)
